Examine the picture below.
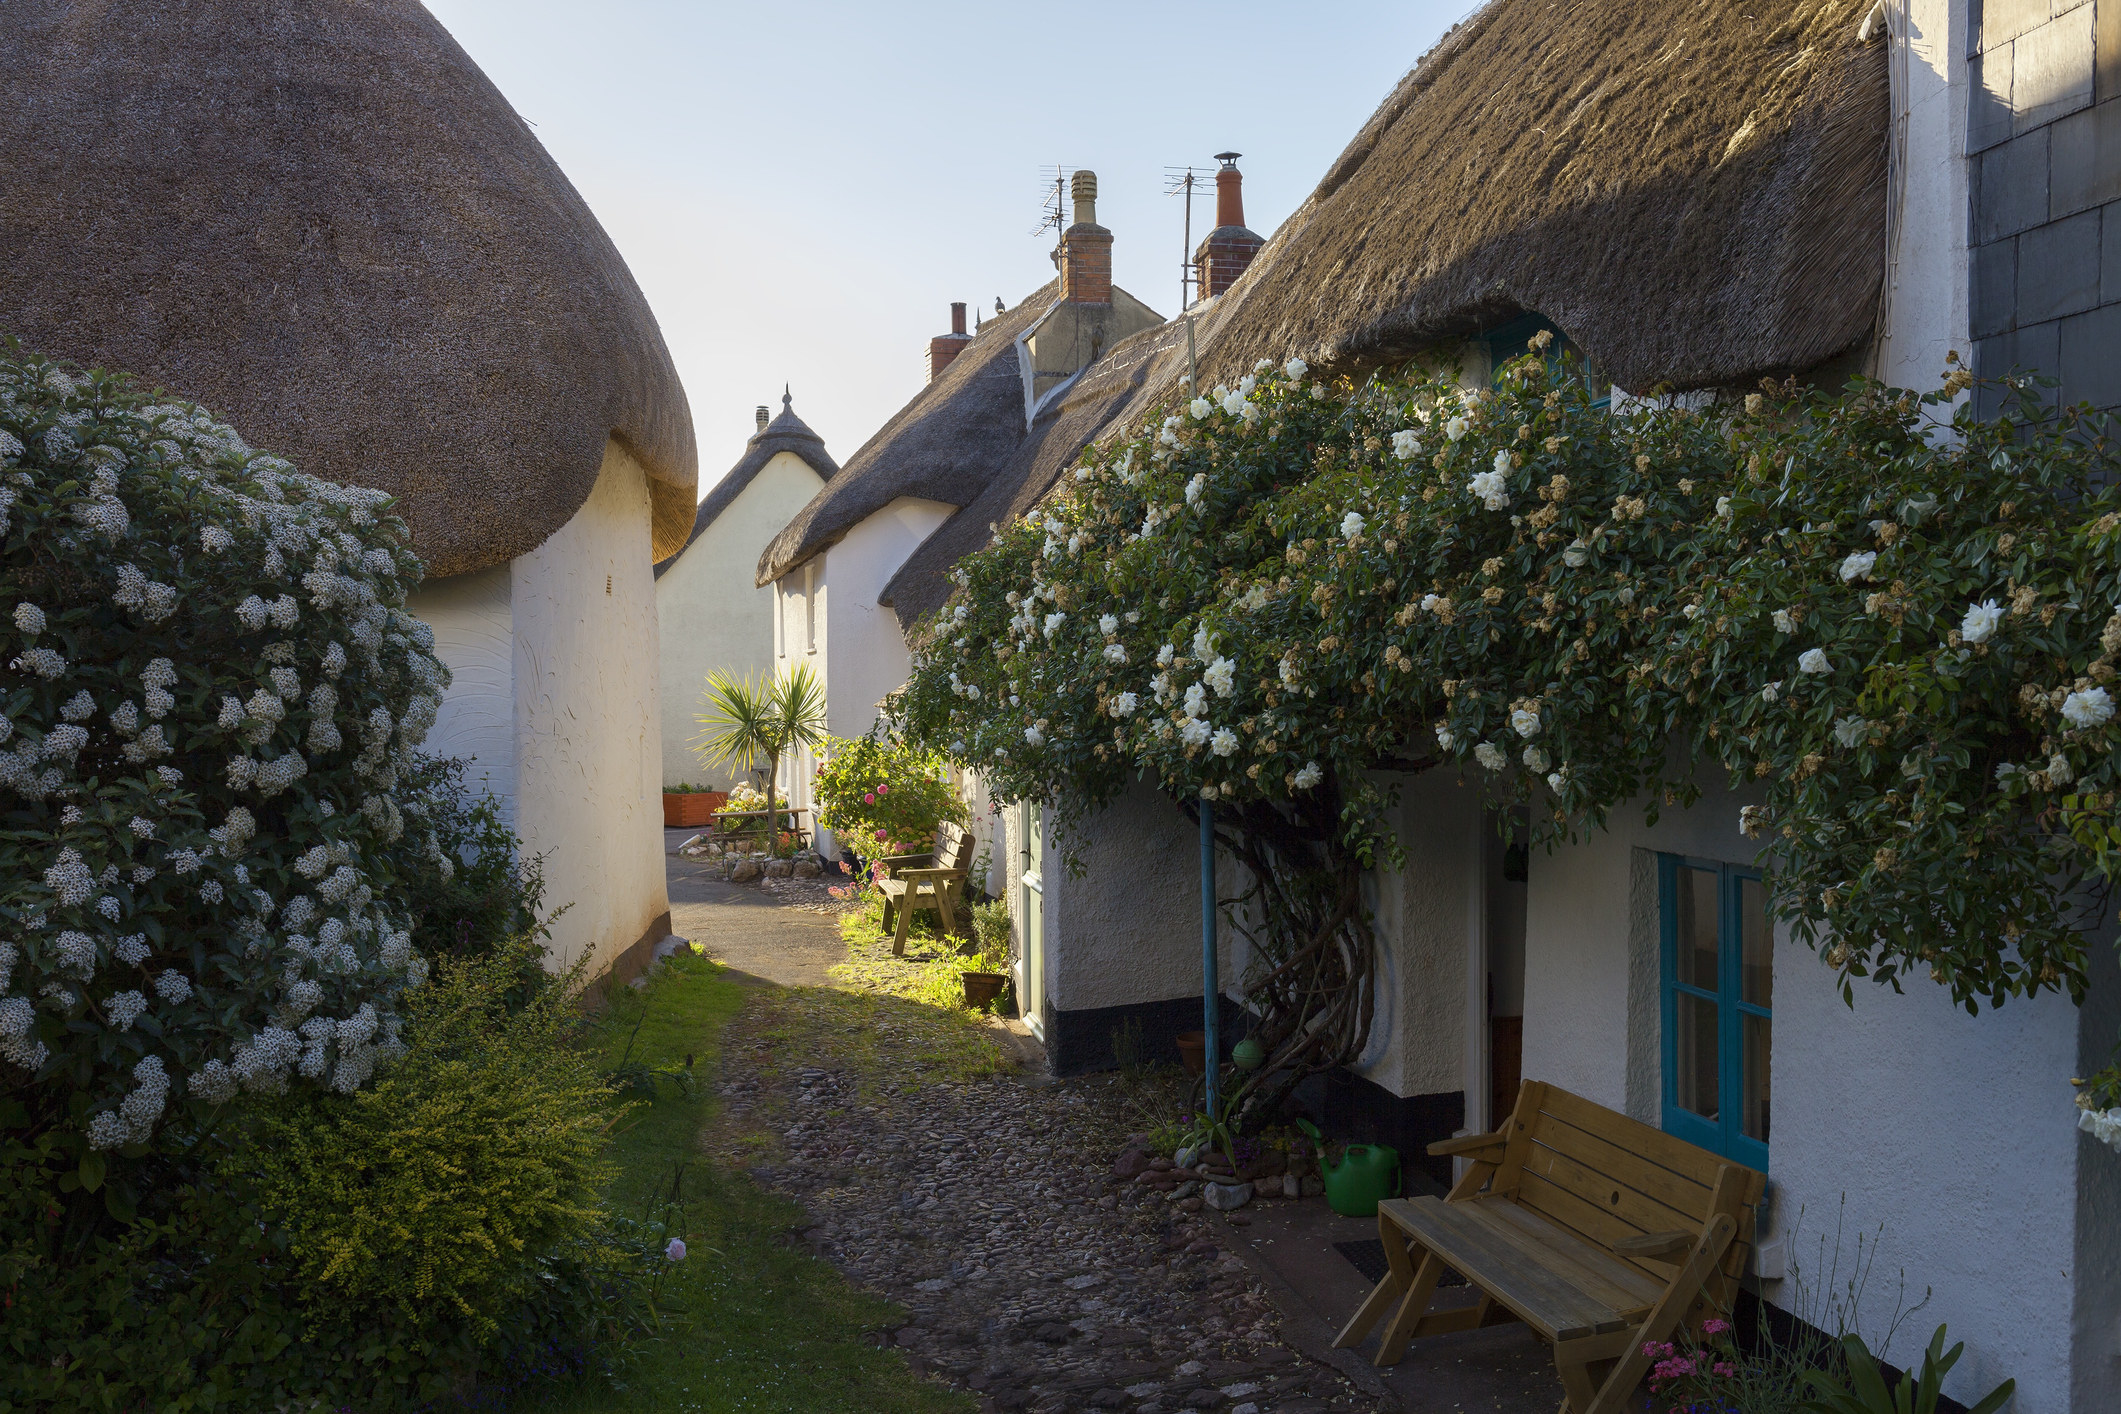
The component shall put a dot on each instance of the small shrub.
(882, 796)
(432, 1191)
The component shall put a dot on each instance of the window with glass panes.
(1718, 995)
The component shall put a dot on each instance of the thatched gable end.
(944, 445)
(786, 433)
(1693, 189)
(324, 222)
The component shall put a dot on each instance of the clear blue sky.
(802, 189)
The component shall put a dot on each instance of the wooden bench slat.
(1631, 1135)
(1609, 1193)
(1545, 1299)
(1610, 1278)
(1600, 1155)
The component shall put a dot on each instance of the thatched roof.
(1693, 190)
(786, 433)
(1116, 390)
(324, 222)
(945, 445)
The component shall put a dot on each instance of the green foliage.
(486, 902)
(1892, 623)
(884, 796)
(428, 1192)
(1865, 1390)
(749, 723)
(990, 929)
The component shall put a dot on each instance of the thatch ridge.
(786, 433)
(1693, 190)
(325, 223)
(944, 445)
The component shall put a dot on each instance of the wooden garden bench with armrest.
(936, 881)
(1597, 1231)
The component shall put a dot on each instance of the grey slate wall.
(2044, 141)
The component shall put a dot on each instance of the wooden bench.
(1597, 1231)
(911, 882)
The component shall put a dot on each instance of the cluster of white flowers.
(1491, 488)
(2102, 1125)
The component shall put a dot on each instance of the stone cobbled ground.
(981, 1200)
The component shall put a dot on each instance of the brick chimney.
(1086, 248)
(1229, 248)
(945, 347)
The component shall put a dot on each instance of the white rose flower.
(2088, 709)
(1858, 566)
(1783, 622)
(1225, 743)
(1034, 737)
(2058, 770)
(1108, 623)
(1446, 738)
(1980, 622)
(1054, 620)
(1430, 603)
(1246, 384)
(1198, 484)
(1309, 775)
(2102, 1125)
(1813, 660)
(1222, 676)
(1723, 506)
(1850, 731)
(1115, 653)
(1196, 699)
(1772, 691)
(1555, 781)
(1455, 428)
(1406, 445)
(1124, 704)
(1577, 554)
(1525, 720)
(1490, 755)
(1351, 525)
(1295, 368)
(1488, 485)
(1195, 732)
(1164, 655)
(1535, 760)
(1200, 408)
(1502, 463)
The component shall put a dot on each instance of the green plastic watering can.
(1366, 1175)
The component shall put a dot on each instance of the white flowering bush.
(1897, 623)
(209, 695)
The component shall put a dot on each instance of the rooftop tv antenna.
(1181, 181)
(1053, 181)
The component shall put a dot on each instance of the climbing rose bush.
(209, 693)
(1892, 624)
(883, 796)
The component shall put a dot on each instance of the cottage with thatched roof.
(713, 616)
(988, 398)
(328, 225)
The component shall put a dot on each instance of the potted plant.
(988, 974)
(687, 806)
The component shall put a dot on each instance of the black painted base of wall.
(1360, 1111)
(1079, 1042)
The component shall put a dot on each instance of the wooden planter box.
(688, 809)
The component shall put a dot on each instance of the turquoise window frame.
(1725, 1134)
(1506, 341)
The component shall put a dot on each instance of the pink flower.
(881, 834)
(869, 797)
(883, 790)
(1715, 1325)
(1726, 1368)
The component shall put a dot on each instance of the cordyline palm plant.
(750, 721)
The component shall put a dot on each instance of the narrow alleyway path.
(977, 1194)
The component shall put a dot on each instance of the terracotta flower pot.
(983, 987)
(1193, 1051)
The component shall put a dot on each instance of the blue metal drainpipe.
(1210, 980)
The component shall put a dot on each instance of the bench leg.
(945, 913)
(905, 924)
(1393, 1343)
(1618, 1387)
(1398, 1274)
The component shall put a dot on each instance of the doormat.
(1368, 1257)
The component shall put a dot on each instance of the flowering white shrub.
(1895, 634)
(210, 689)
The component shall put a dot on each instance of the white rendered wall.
(713, 614)
(1928, 314)
(1951, 1133)
(474, 626)
(1426, 916)
(1128, 930)
(588, 729)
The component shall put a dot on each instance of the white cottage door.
(1031, 915)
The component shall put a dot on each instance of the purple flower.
(676, 1250)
